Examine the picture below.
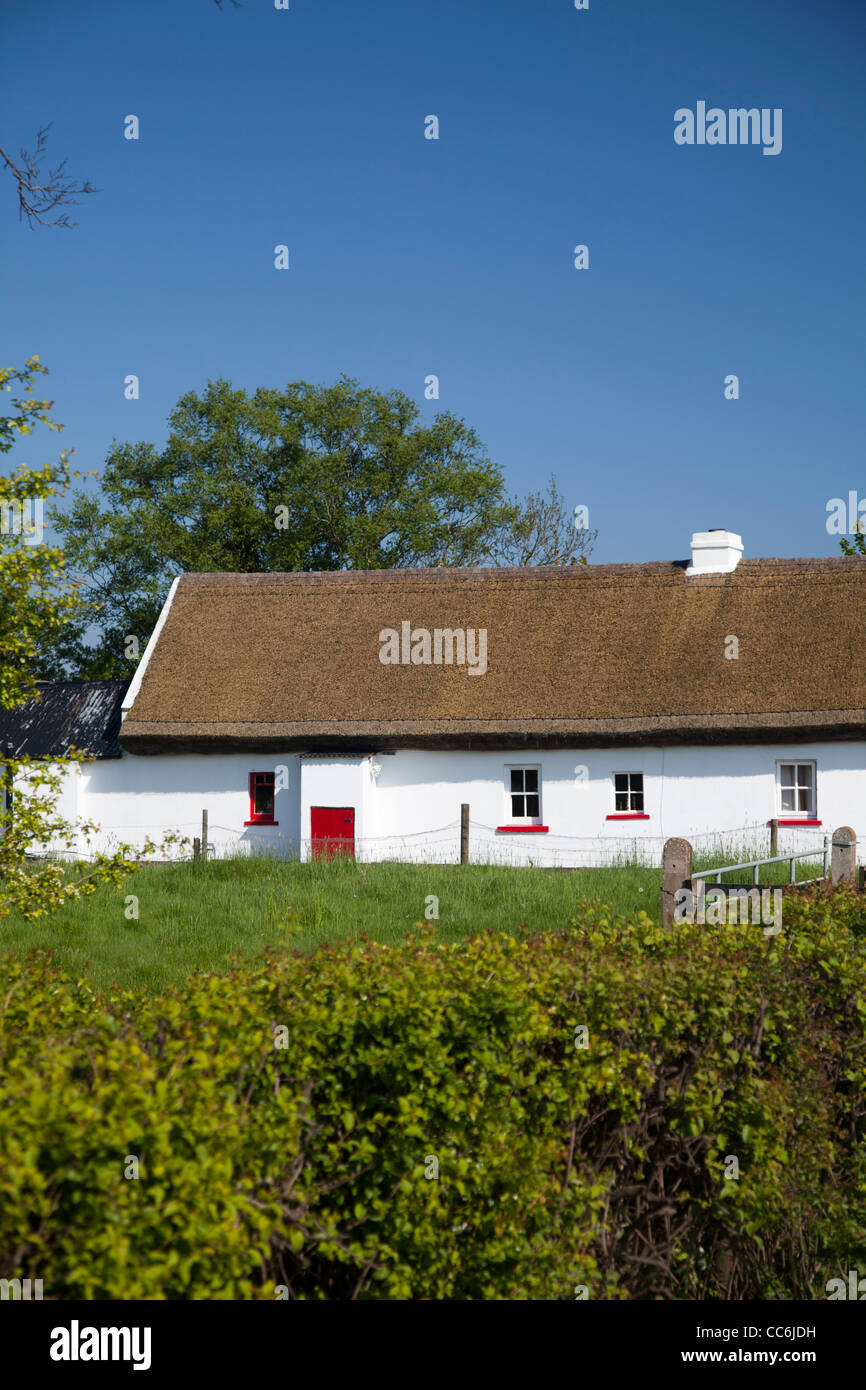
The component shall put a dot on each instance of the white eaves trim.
(135, 683)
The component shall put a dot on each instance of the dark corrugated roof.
(80, 714)
(602, 653)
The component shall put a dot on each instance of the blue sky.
(455, 257)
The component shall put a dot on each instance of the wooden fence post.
(196, 847)
(774, 837)
(843, 864)
(464, 833)
(204, 837)
(676, 874)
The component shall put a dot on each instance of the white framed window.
(523, 795)
(628, 792)
(796, 790)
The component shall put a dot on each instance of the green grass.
(195, 917)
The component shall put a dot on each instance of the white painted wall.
(699, 793)
(411, 811)
(67, 805)
(337, 781)
(135, 797)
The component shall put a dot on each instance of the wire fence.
(440, 845)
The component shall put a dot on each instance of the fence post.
(196, 847)
(6, 789)
(774, 837)
(464, 833)
(844, 861)
(676, 874)
(204, 837)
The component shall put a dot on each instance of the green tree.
(306, 478)
(859, 545)
(37, 604)
(36, 600)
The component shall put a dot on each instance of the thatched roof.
(66, 714)
(602, 654)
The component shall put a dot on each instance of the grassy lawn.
(194, 917)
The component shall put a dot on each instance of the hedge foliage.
(308, 1170)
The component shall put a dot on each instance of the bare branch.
(541, 531)
(37, 199)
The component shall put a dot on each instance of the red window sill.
(799, 822)
(629, 815)
(261, 821)
(523, 829)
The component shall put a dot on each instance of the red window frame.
(262, 779)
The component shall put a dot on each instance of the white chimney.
(715, 552)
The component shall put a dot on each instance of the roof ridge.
(777, 564)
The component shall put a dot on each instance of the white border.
(135, 683)
(628, 772)
(523, 820)
(796, 815)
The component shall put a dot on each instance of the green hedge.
(307, 1170)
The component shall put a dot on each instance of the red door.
(332, 830)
